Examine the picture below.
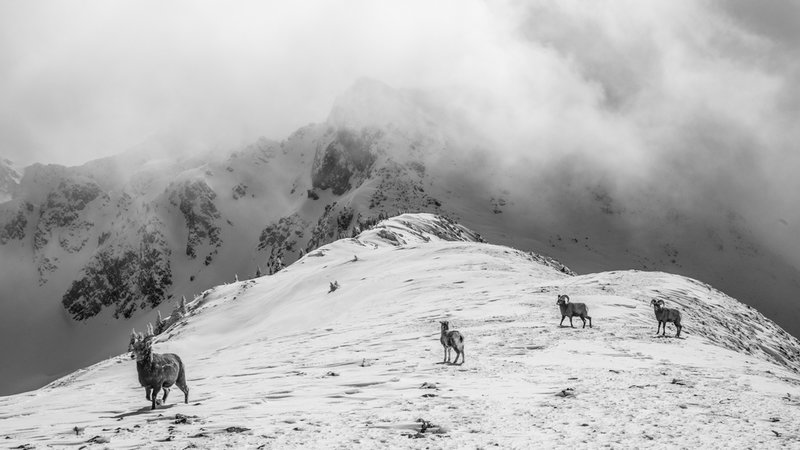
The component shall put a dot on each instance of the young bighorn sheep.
(156, 371)
(451, 339)
(572, 310)
(664, 315)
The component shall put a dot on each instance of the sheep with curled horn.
(572, 310)
(156, 371)
(664, 315)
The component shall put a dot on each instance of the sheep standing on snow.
(156, 371)
(572, 310)
(451, 339)
(664, 315)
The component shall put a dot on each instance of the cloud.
(696, 99)
(91, 79)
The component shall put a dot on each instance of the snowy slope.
(281, 362)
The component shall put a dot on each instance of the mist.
(698, 101)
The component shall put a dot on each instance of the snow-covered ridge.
(418, 228)
(282, 361)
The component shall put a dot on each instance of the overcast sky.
(89, 78)
(85, 79)
(709, 90)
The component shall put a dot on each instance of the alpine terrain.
(341, 349)
(88, 252)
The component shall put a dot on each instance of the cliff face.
(195, 201)
(123, 277)
(345, 162)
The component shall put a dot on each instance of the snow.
(279, 362)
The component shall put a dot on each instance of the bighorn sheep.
(664, 315)
(451, 339)
(156, 371)
(571, 310)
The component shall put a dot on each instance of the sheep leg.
(164, 398)
(458, 355)
(185, 390)
(570, 322)
(147, 393)
(462, 356)
(182, 386)
(155, 395)
(679, 327)
(590, 321)
(584, 322)
(561, 324)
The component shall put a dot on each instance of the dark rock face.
(345, 161)
(400, 187)
(196, 202)
(62, 217)
(124, 278)
(62, 210)
(334, 224)
(283, 235)
(15, 228)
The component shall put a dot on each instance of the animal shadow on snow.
(661, 336)
(142, 410)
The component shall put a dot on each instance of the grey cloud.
(777, 20)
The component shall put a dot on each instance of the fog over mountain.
(699, 100)
(653, 136)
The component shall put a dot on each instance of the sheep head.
(659, 304)
(562, 300)
(140, 345)
(445, 325)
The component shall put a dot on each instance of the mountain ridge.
(284, 361)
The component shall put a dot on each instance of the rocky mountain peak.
(10, 177)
